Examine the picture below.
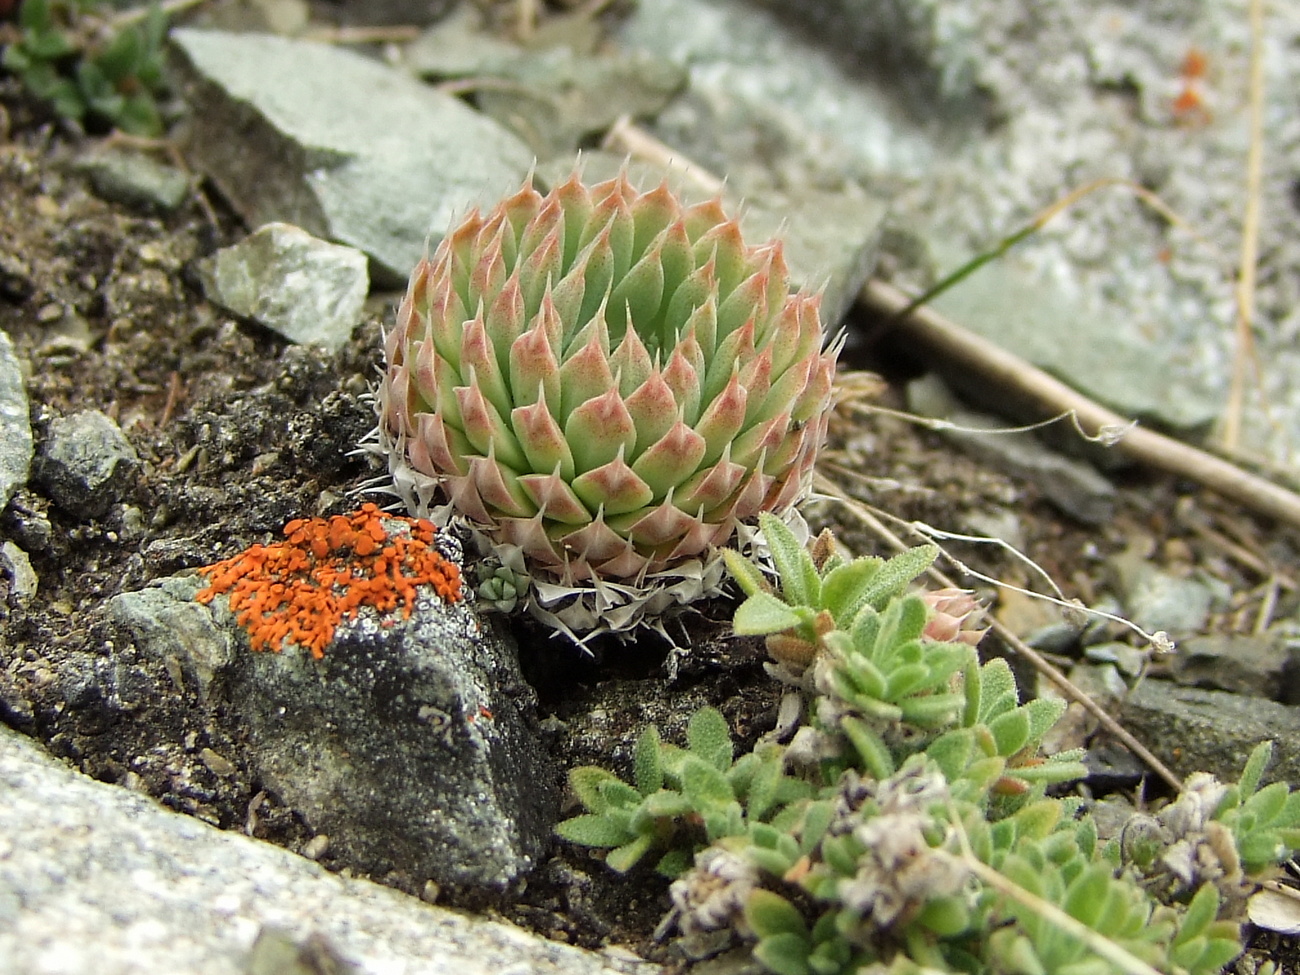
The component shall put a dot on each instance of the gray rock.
(1129, 660)
(1242, 663)
(23, 581)
(16, 446)
(85, 464)
(339, 144)
(552, 97)
(977, 116)
(308, 290)
(1190, 729)
(408, 744)
(1157, 600)
(1076, 341)
(181, 634)
(772, 103)
(94, 878)
(1073, 486)
(135, 180)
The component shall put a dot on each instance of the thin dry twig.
(636, 142)
(129, 17)
(174, 390)
(1036, 659)
(1009, 372)
(382, 34)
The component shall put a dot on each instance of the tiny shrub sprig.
(93, 73)
(906, 825)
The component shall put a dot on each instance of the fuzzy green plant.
(605, 386)
(906, 825)
(89, 69)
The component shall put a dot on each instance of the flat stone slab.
(339, 144)
(94, 878)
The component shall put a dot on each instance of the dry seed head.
(606, 381)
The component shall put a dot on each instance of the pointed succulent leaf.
(592, 830)
(800, 582)
(763, 613)
(666, 805)
(1260, 757)
(745, 572)
(1010, 732)
(845, 588)
(870, 748)
(704, 785)
(768, 913)
(932, 710)
(997, 689)
(586, 783)
(624, 858)
(647, 765)
(1043, 713)
(897, 572)
(709, 738)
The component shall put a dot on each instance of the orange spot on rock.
(325, 570)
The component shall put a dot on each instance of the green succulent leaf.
(1260, 757)
(624, 858)
(1200, 914)
(586, 783)
(897, 573)
(871, 749)
(705, 786)
(647, 763)
(845, 588)
(784, 954)
(673, 864)
(1010, 732)
(592, 830)
(745, 572)
(710, 738)
(770, 914)
(764, 613)
(666, 805)
(945, 916)
(800, 583)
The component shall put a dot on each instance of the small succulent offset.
(606, 386)
(91, 71)
(906, 826)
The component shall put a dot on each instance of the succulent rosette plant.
(605, 386)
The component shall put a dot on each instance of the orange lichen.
(325, 570)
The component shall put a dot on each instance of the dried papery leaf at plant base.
(610, 383)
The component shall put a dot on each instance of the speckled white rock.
(94, 878)
(306, 289)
